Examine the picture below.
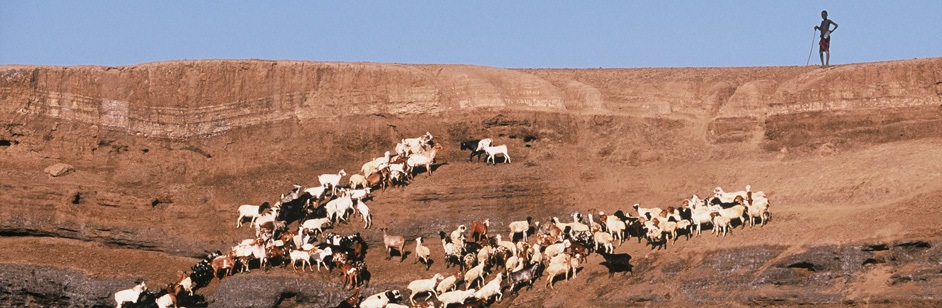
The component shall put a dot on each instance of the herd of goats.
(530, 251)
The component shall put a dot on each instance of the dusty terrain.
(851, 157)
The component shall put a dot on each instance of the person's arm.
(835, 26)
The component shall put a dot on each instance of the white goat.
(615, 226)
(648, 213)
(485, 254)
(249, 211)
(513, 264)
(668, 227)
(315, 224)
(455, 297)
(506, 244)
(536, 256)
(422, 286)
(521, 226)
(250, 241)
(735, 212)
(422, 253)
(491, 288)
(317, 192)
(721, 224)
(556, 249)
(701, 215)
(129, 295)
(397, 174)
(457, 236)
(166, 301)
(380, 300)
(358, 181)
(400, 167)
(448, 283)
(423, 159)
(269, 217)
(301, 239)
(561, 225)
(474, 274)
(605, 240)
(186, 282)
(560, 264)
(654, 233)
(402, 149)
(758, 209)
(728, 197)
(359, 194)
(320, 256)
(300, 255)
(331, 180)
(573, 226)
(695, 202)
(365, 213)
(486, 142)
(452, 252)
(417, 145)
(375, 165)
(338, 208)
(492, 151)
(247, 252)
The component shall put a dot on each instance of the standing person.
(824, 45)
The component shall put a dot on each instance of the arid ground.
(850, 157)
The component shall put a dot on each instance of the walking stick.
(812, 47)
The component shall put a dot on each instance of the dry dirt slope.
(164, 152)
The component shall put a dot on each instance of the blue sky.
(511, 34)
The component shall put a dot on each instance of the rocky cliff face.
(185, 99)
(164, 152)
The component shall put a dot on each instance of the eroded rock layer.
(163, 153)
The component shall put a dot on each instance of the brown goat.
(222, 263)
(394, 242)
(553, 231)
(352, 301)
(377, 178)
(351, 275)
(479, 230)
(578, 249)
(544, 239)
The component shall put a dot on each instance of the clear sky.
(510, 34)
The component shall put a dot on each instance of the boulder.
(59, 169)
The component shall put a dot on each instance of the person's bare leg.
(821, 55)
(828, 61)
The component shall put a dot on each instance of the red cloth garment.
(825, 44)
